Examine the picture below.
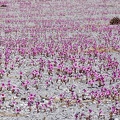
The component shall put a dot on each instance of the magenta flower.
(12, 66)
(90, 111)
(17, 59)
(91, 82)
(17, 110)
(30, 103)
(25, 84)
(35, 73)
(21, 74)
(3, 97)
(77, 116)
(13, 103)
(31, 97)
(84, 90)
(2, 72)
(37, 104)
(3, 86)
(13, 89)
(9, 85)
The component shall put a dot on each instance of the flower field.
(60, 60)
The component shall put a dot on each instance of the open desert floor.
(59, 60)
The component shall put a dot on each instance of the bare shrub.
(115, 21)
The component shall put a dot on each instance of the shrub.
(115, 21)
(3, 6)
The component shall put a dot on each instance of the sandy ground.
(33, 15)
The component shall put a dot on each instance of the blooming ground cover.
(59, 60)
